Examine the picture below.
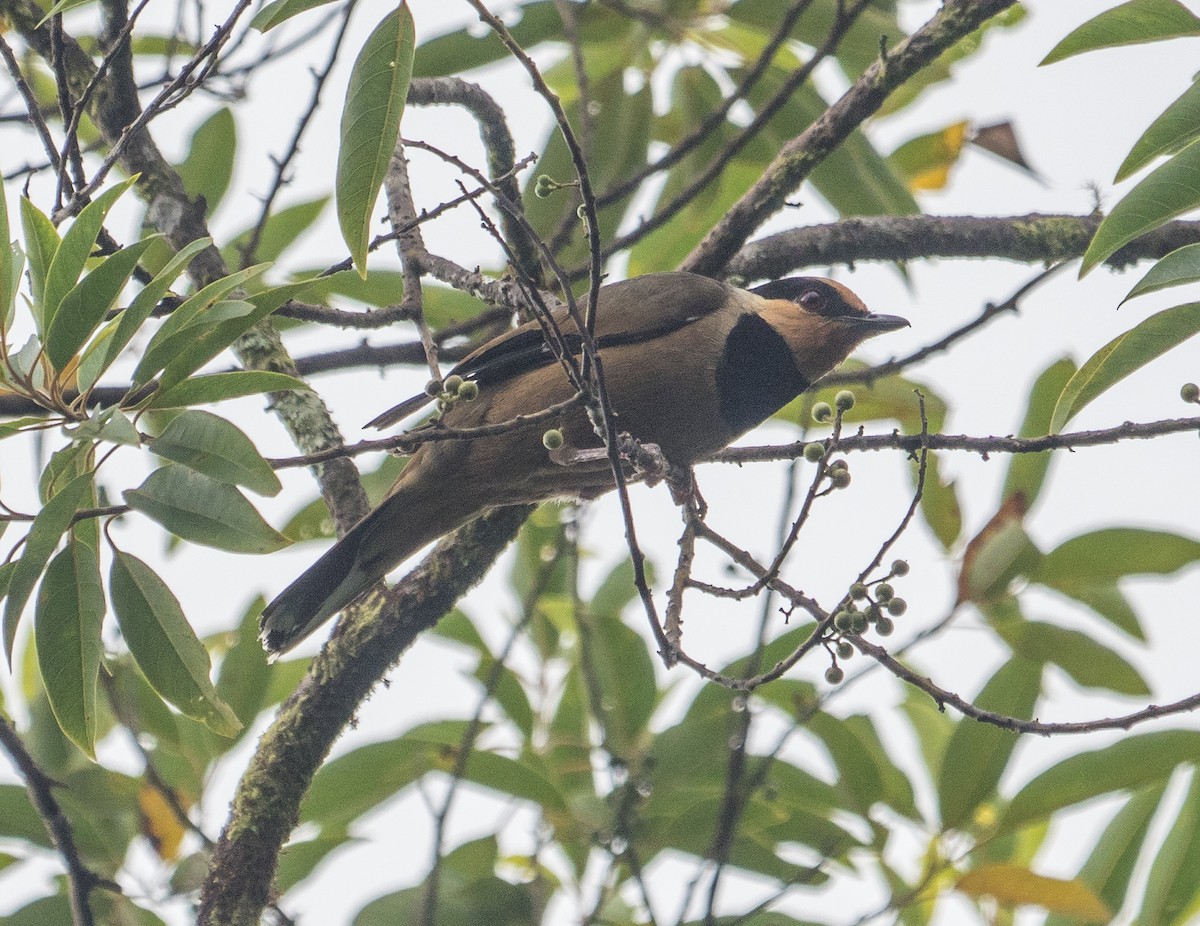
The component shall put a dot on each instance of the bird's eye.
(812, 301)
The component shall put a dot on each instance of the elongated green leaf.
(1130, 23)
(1170, 190)
(70, 609)
(272, 14)
(1088, 662)
(280, 232)
(1175, 269)
(1107, 600)
(221, 387)
(1123, 355)
(1110, 866)
(978, 753)
(83, 308)
(45, 532)
(41, 244)
(9, 276)
(167, 651)
(201, 510)
(76, 248)
(173, 337)
(208, 167)
(371, 124)
(245, 675)
(1174, 880)
(464, 49)
(211, 445)
(1108, 554)
(1135, 761)
(1027, 471)
(143, 304)
(1178, 125)
(626, 674)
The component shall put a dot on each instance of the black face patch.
(756, 375)
(792, 288)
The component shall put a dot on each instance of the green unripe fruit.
(469, 391)
(840, 478)
(884, 626)
(451, 384)
(858, 591)
(552, 439)
(900, 568)
(1190, 392)
(844, 400)
(544, 187)
(433, 387)
(822, 412)
(884, 592)
(834, 675)
(897, 606)
(844, 649)
(844, 621)
(814, 452)
(859, 623)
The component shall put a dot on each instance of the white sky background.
(1076, 121)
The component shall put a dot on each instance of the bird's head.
(821, 320)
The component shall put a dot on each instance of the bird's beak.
(878, 323)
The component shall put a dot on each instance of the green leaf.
(1123, 355)
(1178, 126)
(1174, 880)
(1110, 866)
(245, 675)
(132, 319)
(41, 244)
(1128, 24)
(45, 532)
(167, 651)
(371, 125)
(10, 276)
(208, 167)
(1027, 471)
(1169, 190)
(1106, 600)
(465, 50)
(1088, 662)
(187, 322)
(83, 308)
(76, 248)
(281, 11)
(298, 860)
(201, 510)
(1136, 760)
(978, 752)
(281, 230)
(211, 445)
(70, 609)
(221, 387)
(1111, 553)
(1174, 269)
(625, 673)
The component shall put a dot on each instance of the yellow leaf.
(1010, 885)
(159, 822)
(924, 162)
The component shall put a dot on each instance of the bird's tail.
(404, 522)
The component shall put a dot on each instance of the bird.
(690, 364)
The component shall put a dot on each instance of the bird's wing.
(630, 312)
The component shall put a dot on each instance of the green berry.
(552, 439)
(897, 606)
(844, 400)
(544, 187)
(839, 479)
(884, 592)
(822, 411)
(451, 384)
(844, 621)
(1190, 392)
(859, 623)
(844, 649)
(858, 591)
(814, 452)
(834, 675)
(433, 387)
(469, 391)
(884, 626)
(900, 568)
